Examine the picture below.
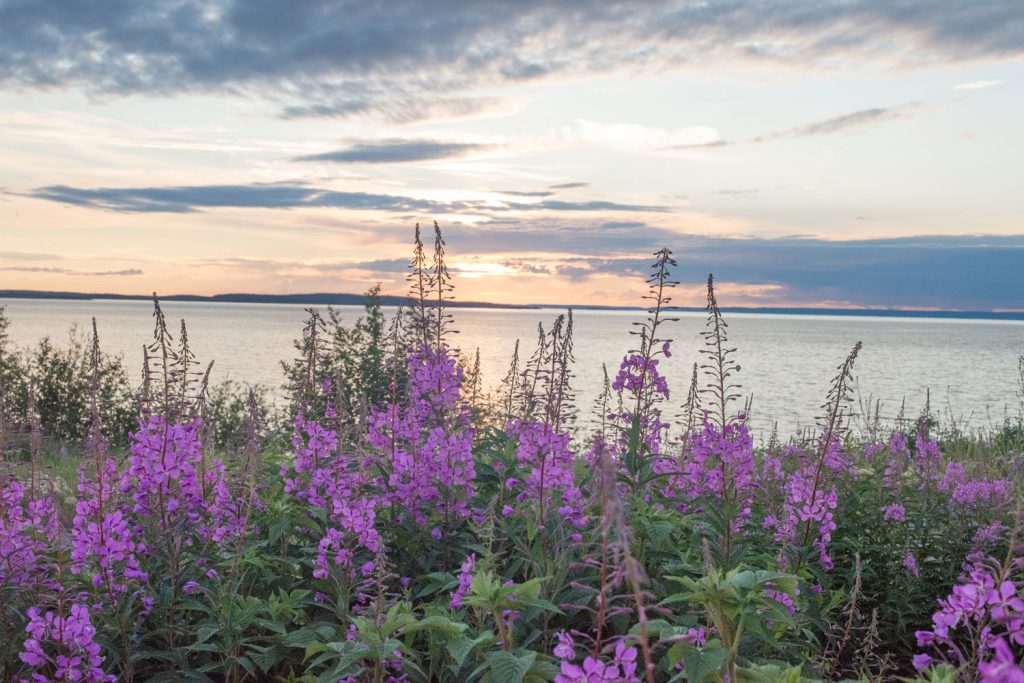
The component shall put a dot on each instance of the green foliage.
(739, 604)
(60, 377)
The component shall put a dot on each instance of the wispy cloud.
(843, 123)
(186, 199)
(318, 59)
(968, 273)
(28, 256)
(398, 151)
(56, 270)
(633, 137)
(978, 85)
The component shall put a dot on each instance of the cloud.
(55, 270)
(408, 60)
(397, 151)
(387, 105)
(978, 85)
(738, 193)
(568, 186)
(186, 199)
(959, 272)
(633, 137)
(28, 256)
(703, 145)
(525, 193)
(840, 124)
(319, 266)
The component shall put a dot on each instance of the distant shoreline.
(340, 299)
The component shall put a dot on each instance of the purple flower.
(465, 580)
(549, 482)
(323, 476)
(1003, 667)
(978, 614)
(64, 644)
(894, 512)
(622, 669)
(564, 649)
(425, 445)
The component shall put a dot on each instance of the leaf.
(658, 532)
(460, 646)
(506, 667)
(247, 665)
(438, 623)
(698, 664)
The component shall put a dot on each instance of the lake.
(968, 366)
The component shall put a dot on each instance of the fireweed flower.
(323, 476)
(783, 598)
(927, 461)
(1003, 667)
(61, 648)
(25, 524)
(969, 494)
(564, 650)
(980, 612)
(622, 668)
(897, 464)
(808, 508)
(894, 512)
(163, 477)
(720, 465)
(549, 480)
(103, 540)
(465, 580)
(643, 380)
(426, 445)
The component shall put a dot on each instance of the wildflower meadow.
(396, 522)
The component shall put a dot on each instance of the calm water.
(786, 361)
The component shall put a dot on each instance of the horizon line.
(350, 299)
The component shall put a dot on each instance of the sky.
(851, 153)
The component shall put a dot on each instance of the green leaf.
(506, 667)
(698, 664)
(460, 646)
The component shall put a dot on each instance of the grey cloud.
(958, 272)
(567, 186)
(738, 193)
(397, 151)
(845, 122)
(28, 256)
(35, 269)
(407, 59)
(699, 145)
(186, 199)
(522, 193)
(55, 270)
(270, 265)
(416, 105)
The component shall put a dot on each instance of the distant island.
(342, 299)
(311, 299)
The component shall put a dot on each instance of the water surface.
(968, 366)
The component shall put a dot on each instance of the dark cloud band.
(408, 59)
(186, 199)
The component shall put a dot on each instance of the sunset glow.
(805, 158)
